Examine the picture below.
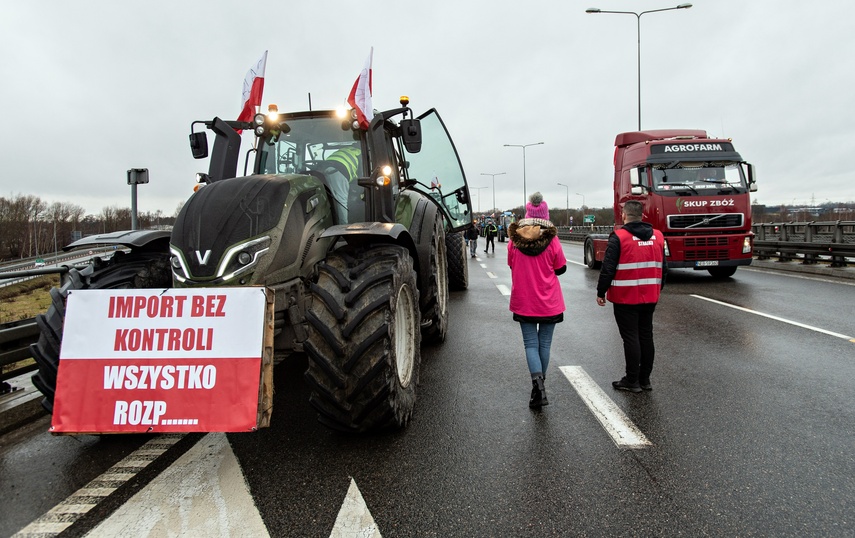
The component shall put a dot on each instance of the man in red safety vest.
(632, 275)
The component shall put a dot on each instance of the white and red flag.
(360, 95)
(253, 87)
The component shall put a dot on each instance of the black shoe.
(645, 384)
(539, 381)
(485, 250)
(534, 402)
(623, 384)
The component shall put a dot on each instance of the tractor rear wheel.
(434, 299)
(458, 268)
(134, 270)
(364, 339)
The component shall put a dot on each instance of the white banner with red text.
(160, 360)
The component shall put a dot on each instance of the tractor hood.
(225, 214)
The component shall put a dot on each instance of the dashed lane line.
(776, 318)
(623, 432)
(66, 513)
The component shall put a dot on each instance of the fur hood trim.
(532, 236)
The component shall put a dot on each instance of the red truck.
(694, 189)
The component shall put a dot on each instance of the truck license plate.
(707, 263)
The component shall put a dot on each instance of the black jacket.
(641, 230)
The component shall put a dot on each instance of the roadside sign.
(589, 219)
(163, 360)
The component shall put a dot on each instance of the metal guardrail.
(15, 340)
(809, 242)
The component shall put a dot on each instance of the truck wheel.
(722, 272)
(134, 270)
(364, 338)
(458, 268)
(434, 299)
(590, 259)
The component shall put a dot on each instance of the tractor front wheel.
(364, 339)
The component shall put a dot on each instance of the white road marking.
(623, 432)
(354, 520)
(776, 318)
(491, 275)
(63, 515)
(483, 265)
(204, 493)
(504, 290)
(577, 263)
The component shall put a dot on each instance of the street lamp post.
(638, 34)
(479, 196)
(523, 146)
(583, 199)
(494, 186)
(568, 202)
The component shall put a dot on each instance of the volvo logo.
(203, 258)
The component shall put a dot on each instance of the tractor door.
(437, 172)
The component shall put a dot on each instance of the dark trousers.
(489, 243)
(635, 323)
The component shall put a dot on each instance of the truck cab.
(695, 190)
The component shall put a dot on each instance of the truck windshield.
(698, 178)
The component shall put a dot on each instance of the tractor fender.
(154, 240)
(366, 233)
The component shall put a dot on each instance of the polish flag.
(253, 87)
(360, 95)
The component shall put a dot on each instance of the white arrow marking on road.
(204, 493)
(354, 520)
(623, 432)
(776, 318)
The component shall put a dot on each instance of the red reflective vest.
(638, 278)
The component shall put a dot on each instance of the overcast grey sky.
(93, 88)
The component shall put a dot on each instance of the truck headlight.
(667, 250)
(746, 245)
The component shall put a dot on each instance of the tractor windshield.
(323, 147)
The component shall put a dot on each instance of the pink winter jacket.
(534, 254)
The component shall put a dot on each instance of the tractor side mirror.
(411, 133)
(199, 145)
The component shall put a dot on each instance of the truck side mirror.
(411, 134)
(752, 178)
(199, 145)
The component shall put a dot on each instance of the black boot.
(542, 389)
(535, 400)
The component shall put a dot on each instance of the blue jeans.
(537, 338)
(473, 244)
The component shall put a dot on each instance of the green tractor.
(358, 232)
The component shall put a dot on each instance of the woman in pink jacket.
(536, 259)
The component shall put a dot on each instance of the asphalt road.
(750, 425)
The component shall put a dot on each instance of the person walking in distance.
(490, 232)
(536, 259)
(631, 278)
(472, 237)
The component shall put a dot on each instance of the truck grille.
(706, 254)
(713, 220)
(706, 241)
